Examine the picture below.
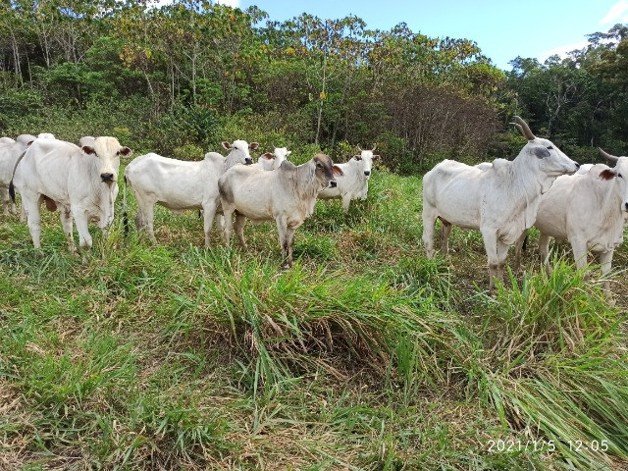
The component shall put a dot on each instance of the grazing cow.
(81, 181)
(587, 209)
(272, 160)
(10, 152)
(286, 195)
(501, 201)
(354, 182)
(180, 185)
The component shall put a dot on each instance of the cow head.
(272, 160)
(281, 154)
(239, 152)
(619, 175)
(543, 154)
(25, 139)
(45, 135)
(108, 152)
(366, 160)
(325, 171)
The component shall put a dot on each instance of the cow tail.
(125, 212)
(11, 185)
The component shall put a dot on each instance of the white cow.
(10, 152)
(6, 140)
(501, 201)
(81, 182)
(179, 185)
(272, 160)
(286, 195)
(354, 182)
(587, 209)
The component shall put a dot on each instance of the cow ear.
(357, 157)
(88, 150)
(607, 174)
(541, 152)
(268, 156)
(125, 152)
(376, 156)
(337, 171)
(253, 145)
(288, 153)
(226, 145)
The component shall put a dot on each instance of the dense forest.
(179, 78)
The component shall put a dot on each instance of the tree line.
(181, 77)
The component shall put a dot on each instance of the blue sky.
(504, 29)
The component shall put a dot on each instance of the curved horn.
(525, 129)
(359, 148)
(607, 156)
(374, 147)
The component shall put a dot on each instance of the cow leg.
(5, 201)
(519, 249)
(30, 205)
(240, 221)
(66, 222)
(579, 248)
(445, 231)
(209, 212)
(544, 243)
(81, 221)
(606, 261)
(429, 216)
(346, 202)
(492, 253)
(290, 245)
(282, 229)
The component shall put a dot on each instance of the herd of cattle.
(586, 205)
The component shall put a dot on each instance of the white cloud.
(562, 51)
(617, 14)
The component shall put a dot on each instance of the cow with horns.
(501, 201)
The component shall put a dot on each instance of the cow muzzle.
(248, 161)
(626, 207)
(333, 184)
(107, 177)
(367, 173)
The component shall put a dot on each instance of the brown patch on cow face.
(607, 174)
(89, 150)
(50, 204)
(268, 156)
(125, 152)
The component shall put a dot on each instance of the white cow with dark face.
(180, 185)
(286, 195)
(501, 201)
(587, 209)
(81, 182)
(354, 182)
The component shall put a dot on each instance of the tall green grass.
(365, 355)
